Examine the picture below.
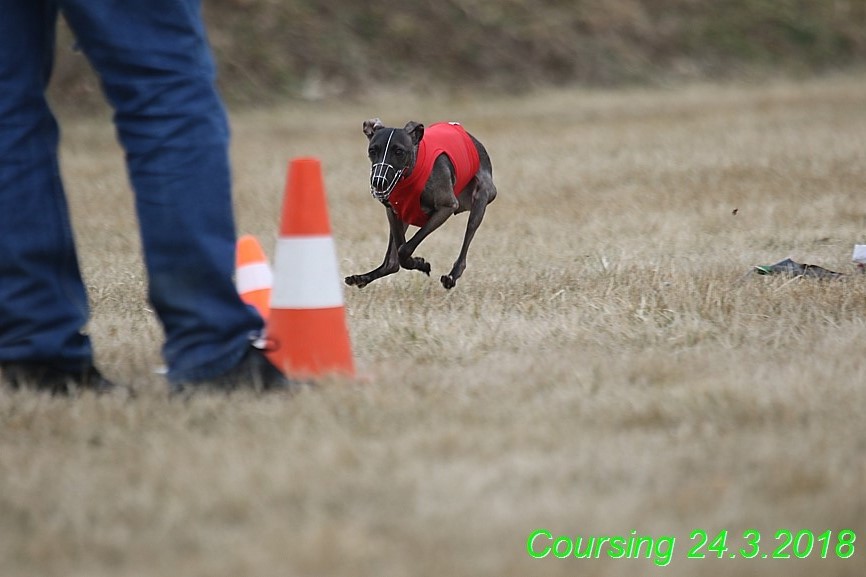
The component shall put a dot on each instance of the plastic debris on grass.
(788, 267)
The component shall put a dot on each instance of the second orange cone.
(253, 276)
(307, 326)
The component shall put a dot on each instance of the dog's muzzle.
(383, 178)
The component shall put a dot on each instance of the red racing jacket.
(447, 138)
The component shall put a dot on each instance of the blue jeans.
(157, 72)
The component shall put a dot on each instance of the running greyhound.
(423, 177)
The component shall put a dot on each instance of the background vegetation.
(270, 49)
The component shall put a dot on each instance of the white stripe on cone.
(253, 277)
(306, 274)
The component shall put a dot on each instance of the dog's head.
(392, 153)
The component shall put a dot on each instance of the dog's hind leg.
(404, 253)
(484, 193)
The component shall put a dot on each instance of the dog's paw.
(358, 280)
(416, 263)
(447, 281)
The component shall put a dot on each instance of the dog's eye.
(398, 152)
(372, 151)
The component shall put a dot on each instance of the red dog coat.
(441, 138)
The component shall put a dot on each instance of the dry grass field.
(606, 364)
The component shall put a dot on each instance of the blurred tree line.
(273, 49)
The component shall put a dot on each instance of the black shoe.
(254, 372)
(48, 378)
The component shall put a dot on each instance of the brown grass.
(604, 365)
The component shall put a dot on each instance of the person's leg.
(156, 69)
(43, 304)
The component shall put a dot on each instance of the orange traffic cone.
(253, 277)
(307, 327)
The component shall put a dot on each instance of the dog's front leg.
(391, 264)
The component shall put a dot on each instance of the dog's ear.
(415, 130)
(371, 126)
